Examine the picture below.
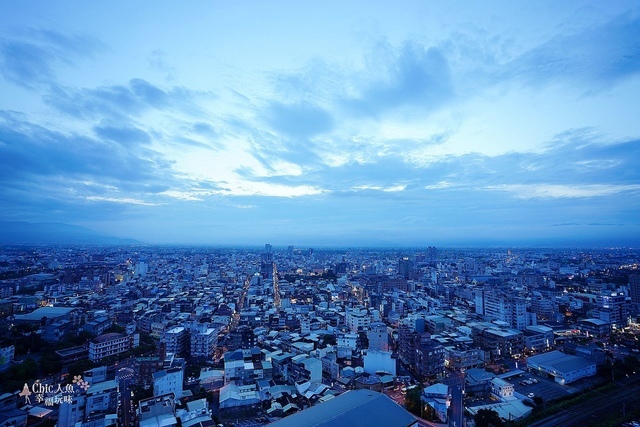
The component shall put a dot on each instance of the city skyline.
(321, 123)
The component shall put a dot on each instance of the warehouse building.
(562, 367)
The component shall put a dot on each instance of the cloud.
(598, 57)
(533, 191)
(120, 102)
(157, 61)
(123, 135)
(75, 168)
(301, 120)
(415, 76)
(25, 63)
(32, 57)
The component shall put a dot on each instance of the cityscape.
(319, 213)
(196, 336)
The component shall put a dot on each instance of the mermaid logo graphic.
(26, 393)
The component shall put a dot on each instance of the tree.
(79, 367)
(413, 401)
(487, 418)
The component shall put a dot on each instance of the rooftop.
(355, 407)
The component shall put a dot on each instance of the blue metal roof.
(353, 408)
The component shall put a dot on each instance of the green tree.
(413, 401)
(79, 367)
(49, 363)
(488, 418)
(115, 328)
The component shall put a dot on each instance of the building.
(98, 325)
(463, 357)
(157, 411)
(634, 288)
(236, 399)
(13, 417)
(357, 319)
(168, 381)
(612, 308)
(355, 407)
(304, 368)
(378, 337)
(47, 315)
(111, 344)
(505, 308)
(203, 341)
(176, 340)
(6, 357)
(72, 354)
(405, 268)
(421, 354)
(379, 361)
(71, 413)
(562, 367)
(102, 397)
(538, 337)
(500, 342)
(501, 389)
(436, 399)
(245, 366)
(594, 327)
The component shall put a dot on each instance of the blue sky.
(324, 123)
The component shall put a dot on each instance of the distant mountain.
(55, 233)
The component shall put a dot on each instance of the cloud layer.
(399, 134)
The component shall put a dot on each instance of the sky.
(405, 123)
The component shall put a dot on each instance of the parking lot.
(546, 388)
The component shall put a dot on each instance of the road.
(125, 378)
(456, 418)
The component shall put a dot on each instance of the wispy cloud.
(414, 76)
(596, 57)
(533, 191)
(33, 56)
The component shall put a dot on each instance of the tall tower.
(634, 288)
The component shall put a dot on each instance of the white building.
(564, 368)
(347, 340)
(176, 340)
(379, 361)
(111, 344)
(501, 389)
(378, 337)
(102, 396)
(203, 341)
(168, 381)
(357, 319)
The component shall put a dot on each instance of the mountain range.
(55, 233)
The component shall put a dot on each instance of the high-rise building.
(176, 340)
(378, 337)
(505, 308)
(266, 262)
(405, 267)
(612, 308)
(431, 254)
(634, 288)
(203, 341)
